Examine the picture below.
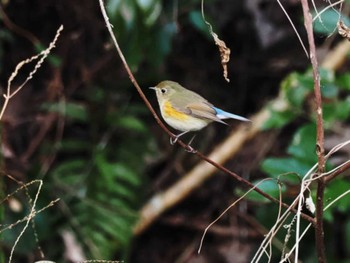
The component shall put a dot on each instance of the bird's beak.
(154, 88)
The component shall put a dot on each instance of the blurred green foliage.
(298, 106)
(142, 36)
(103, 184)
(297, 92)
(326, 22)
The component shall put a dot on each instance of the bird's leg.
(190, 149)
(173, 141)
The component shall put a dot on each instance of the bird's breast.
(170, 112)
(179, 120)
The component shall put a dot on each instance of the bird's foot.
(189, 149)
(173, 140)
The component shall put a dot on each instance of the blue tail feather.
(226, 115)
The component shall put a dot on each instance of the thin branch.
(319, 232)
(40, 57)
(293, 26)
(338, 171)
(229, 207)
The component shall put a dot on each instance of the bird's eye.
(163, 90)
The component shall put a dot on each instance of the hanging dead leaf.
(343, 30)
(224, 54)
(223, 49)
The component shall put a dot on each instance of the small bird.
(187, 111)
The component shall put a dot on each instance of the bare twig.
(16, 29)
(40, 57)
(228, 208)
(294, 28)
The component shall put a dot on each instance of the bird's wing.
(203, 110)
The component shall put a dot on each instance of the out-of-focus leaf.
(336, 110)
(150, 10)
(303, 144)
(73, 145)
(152, 16)
(112, 7)
(343, 109)
(125, 173)
(145, 5)
(196, 19)
(329, 91)
(332, 191)
(164, 38)
(326, 23)
(131, 123)
(278, 119)
(277, 166)
(343, 81)
(296, 87)
(326, 75)
(71, 110)
(71, 172)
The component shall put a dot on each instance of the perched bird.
(185, 110)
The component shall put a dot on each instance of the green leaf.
(196, 19)
(70, 172)
(71, 110)
(74, 145)
(303, 144)
(329, 91)
(126, 174)
(336, 111)
(112, 7)
(152, 16)
(343, 109)
(279, 119)
(343, 81)
(332, 191)
(145, 5)
(130, 123)
(297, 93)
(326, 75)
(164, 38)
(151, 9)
(278, 166)
(326, 23)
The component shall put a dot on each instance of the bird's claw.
(173, 140)
(189, 149)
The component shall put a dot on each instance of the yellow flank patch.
(169, 111)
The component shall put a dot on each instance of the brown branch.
(18, 30)
(342, 169)
(319, 232)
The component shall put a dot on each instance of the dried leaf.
(343, 30)
(223, 49)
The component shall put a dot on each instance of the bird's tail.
(226, 115)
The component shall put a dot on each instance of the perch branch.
(319, 231)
